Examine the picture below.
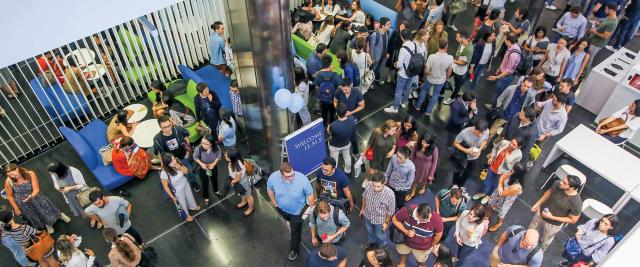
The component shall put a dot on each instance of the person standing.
(628, 25)
(328, 223)
(517, 246)
(216, 49)
(207, 104)
(403, 79)
(363, 61)
(572, 25)
(400, 174)
(564, 87)
(522, 126)
(207, 155)
(124, 250)
(577, 62)
(68, 181)
(601, 34)
(378, 205)
(510, 62)
(314, 63)
(555, 61)
(227, 130)
(378, 47)
(327, 82)
(341, 132)
(424, 156)
(450, 203)
(113, 212)
(462, 110)
(23, 234)
(327, 255)
(70, 255)
(23, 192)
(422, 229)
(595, 238)
(460, 64)
(438, 70)
(17, 250)
(553, 116)
(383, 144)
(302, 88)
(176, 186)
(238, 175)
(470, 227)
(501, 160)
(510, 187)
(332, 186)
(290, 191)
(483, 51)
(175, 140)
(511, 101)
(353, 99)
(558, 205)
(469, 144)
(237, 109)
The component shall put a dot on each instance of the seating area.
(60, 105)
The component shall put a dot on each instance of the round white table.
(98, 69)
(145, 131)
(139, 112)
(82, 56)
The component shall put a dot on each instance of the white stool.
(565, 170)
(595, 209)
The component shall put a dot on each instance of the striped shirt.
(21, 235)
(378, 204)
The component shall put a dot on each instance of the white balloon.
(282, 98)
(296, 103)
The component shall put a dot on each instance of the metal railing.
(114, 68)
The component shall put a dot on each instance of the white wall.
(30, 27)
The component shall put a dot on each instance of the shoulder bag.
(148, 255)
(615, 123)
(41, 244)
(369, 153)
(83, 196)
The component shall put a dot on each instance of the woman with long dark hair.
(376, 258)
(326, 30)
(470, 227)
(23, 192)
(176, 185)
(509, 188)
(621, 125)
(124, 251)
(595, 238)
(393, 49)
(425, 157)
(537, 44)
(69, 181)
(578, 60)
(238, 174)
(207, 155)
(407, 132)
(227, 130)
(120, 126)
(23, 234)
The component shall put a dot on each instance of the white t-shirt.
(486, 54)
(532, 42)
(632, 121)
(438, 64)
(303, 90)
(360, 59)
(554, 60)
(324, 36)
(404, 57)
(360, 17)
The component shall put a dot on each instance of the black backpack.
(336, 213)
(532, 252)
(416, 62)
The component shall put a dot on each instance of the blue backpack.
(327, 89)
(355, 72)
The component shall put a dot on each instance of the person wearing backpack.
(450, 203)
(508, 67)
(327, 82)
(517, 246)
(438, 70)
(592, 242)
(422, 228)
(410, 63)
(351, 71)
(378, 44)
(328, 224)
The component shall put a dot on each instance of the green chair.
(131, 44)
(304, 50)
(187, 101)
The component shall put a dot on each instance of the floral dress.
(501, 205)
(39, 211)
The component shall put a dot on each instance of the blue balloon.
(282, 98)
(296, 103)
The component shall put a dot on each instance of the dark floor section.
(220, 236)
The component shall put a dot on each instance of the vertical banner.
(306, 147)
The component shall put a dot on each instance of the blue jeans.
(191, 176)
(490, 183)
(378, 65)
(625, 32)
(403, 89)
(434, 96)
(18, 251)
(501, 85)
(478, 71)
(375, 234)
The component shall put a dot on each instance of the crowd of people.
(535, 80)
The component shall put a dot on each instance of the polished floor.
(220, 236)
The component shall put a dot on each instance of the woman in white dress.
(176, 185)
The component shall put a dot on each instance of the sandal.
(249, 212)
(239, 206)
(206, 203)
(99, 225)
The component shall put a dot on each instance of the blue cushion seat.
(213, 78)
(60, 105)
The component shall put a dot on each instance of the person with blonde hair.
(436, 34)
(70, 255)
(383, 143)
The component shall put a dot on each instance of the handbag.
(369, 153)
(83, 196)
(572, 249)
(40, 246)
(615, 123)
(202, 129)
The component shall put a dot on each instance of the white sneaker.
(50, 229)
(403, 105)
(391, 109)
(610, 48)
(551, 7)
(448, 101)
(414, 94)
(453, 27)
(64, 217)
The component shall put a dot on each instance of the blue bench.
(60, 105)
(213, 78)
(378, 11)
(87, 143)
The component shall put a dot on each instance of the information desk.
(603, 157)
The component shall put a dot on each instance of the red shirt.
(424, 231)
(499, 159)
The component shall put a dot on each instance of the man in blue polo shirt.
(517, 246)
(289, 191)
(354, 101)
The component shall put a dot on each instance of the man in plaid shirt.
(378, 205)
